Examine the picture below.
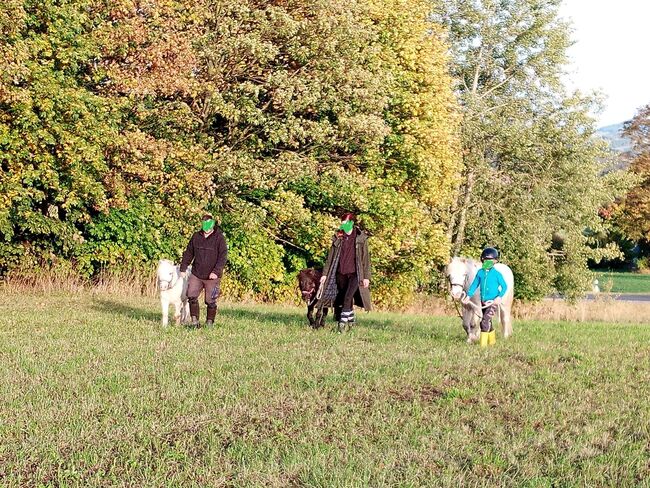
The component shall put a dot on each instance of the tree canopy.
(121, 121)
(534, 175)
(635, 211)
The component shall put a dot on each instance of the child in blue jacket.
(493, 287)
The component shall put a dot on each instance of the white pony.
(173, 290)
(461, 272)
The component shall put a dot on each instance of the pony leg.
(177, 312)
(471, 324)
(165, 311)
(310, 315)
(185, 311)
(506, 320)
(320, 318)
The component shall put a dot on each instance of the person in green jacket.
(493, 288)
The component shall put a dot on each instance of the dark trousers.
(347, 285)
(212, 289)
(488, 313)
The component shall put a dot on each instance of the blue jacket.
(491, 282)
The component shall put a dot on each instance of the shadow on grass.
(275, 317)
(291, 317)
(117, 308)
(295, 317)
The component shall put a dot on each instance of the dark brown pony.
(309, 284)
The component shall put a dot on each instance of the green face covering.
(207, 225)
(488, 264)
(347, 226)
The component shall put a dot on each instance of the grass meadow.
(94, 393)
(624, 282)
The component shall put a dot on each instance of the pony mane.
(459, 264)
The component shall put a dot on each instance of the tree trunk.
(462, 220)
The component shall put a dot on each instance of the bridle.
(170, 283)
(310, 295)
(462, 285)
(464, 294)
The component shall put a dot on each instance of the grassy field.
(94, 393)
(619, 282)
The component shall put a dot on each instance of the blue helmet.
(489, 253)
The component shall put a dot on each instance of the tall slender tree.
(531, 182)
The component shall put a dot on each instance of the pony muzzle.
(457, 292)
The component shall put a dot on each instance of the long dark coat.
(362, 297)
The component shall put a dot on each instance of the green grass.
(620, 282)
(94, 393)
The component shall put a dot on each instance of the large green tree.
(533, 174)
(122, 120)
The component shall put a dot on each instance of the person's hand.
(322, 279)
(213, 276)
(366, 283)
(466, 299)
(497, 301)
(183, 274)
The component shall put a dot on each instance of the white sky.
(611, 54)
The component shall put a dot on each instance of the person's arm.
(366, 265)
(188, 255)
(328, 262)
(502, 284)
(222, 256)
(366, 272)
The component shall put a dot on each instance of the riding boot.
(212, 313)
(338, 309)
(484, 340)
(194, 309)
(492, 337)
(348, 318)
(341, 323)
(195, 322)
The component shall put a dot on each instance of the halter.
(474, 306)
(171, 283)
(462, 285)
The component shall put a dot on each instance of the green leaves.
(119, 124)
(532, 167)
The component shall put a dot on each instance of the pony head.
(308, 282)
(166, 274)
(457, 273)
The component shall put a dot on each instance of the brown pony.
(309, 283)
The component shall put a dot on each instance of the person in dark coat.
(346, 274)
(206, 252)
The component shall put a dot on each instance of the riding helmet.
(489, 253)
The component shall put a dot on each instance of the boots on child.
(488, 338)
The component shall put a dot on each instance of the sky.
(611, 54)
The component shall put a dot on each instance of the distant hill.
(612, 134)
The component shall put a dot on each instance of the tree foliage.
(533, 178)
(633, 214)
(121, 121)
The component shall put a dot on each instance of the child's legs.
(488, 313)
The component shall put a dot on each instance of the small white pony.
(173, 290)
(461, 272)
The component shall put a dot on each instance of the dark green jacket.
(362, 297)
